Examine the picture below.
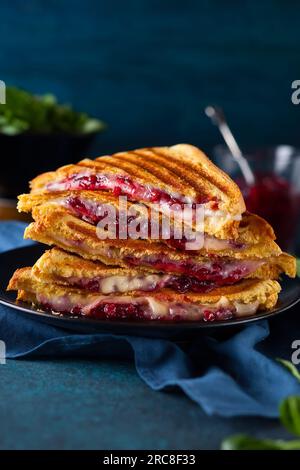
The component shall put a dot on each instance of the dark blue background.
(148, 67)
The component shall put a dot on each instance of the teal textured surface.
(226, 376)
(86, 404)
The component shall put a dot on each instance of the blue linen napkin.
(236, 376)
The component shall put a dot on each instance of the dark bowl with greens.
(37, 134)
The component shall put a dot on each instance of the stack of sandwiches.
(97, 270)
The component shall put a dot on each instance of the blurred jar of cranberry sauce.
(275, 196)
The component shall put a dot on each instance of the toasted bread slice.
(58, 264)
(252, 228)
(161, 175)
(81, 238)
(242, 299)
(57, 220)
(275, 266)
(55, 226)
(60, 267)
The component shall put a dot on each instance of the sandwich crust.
(66, 206)
(264, 293)
(58, 266)
(252, 228)
(181, 170)
(55, 226)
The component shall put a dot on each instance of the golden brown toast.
(275, 266)
(182, 172)
(26, 202)
(59, 264)
(56, 226)
(242, 299)
(252, 228)
(65, 268)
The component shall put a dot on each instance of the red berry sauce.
(217, 272)
(272, 198)
(110, 310)
(124, 185)
(181, 284)
(211, 315)
(91, 212)
(138, 311)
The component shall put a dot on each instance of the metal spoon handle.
(218, 118)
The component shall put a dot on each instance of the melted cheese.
(158, 309)
(246, 309)
(213, 218)
(128, 283)
(153, 308)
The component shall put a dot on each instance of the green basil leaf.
(24, 111)
(92, 125)
(289, 410)
(290, 367)
(244, 442)
(298, 266)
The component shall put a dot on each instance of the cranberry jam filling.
(92, 285)
(137, 311)
(93, 213)
(122, 185)
(180, 244)
(220, 273)
(105, 310)
(132, 311)
(118, 311)
(90, 212)
(220, 314)
(181, 284)
(84, 211)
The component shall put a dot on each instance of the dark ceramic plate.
(11, 260)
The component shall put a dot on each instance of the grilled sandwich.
(59, 267)
(93, 207)
(223, 303)
(56, 226)
(164, 177)
(98, 271)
